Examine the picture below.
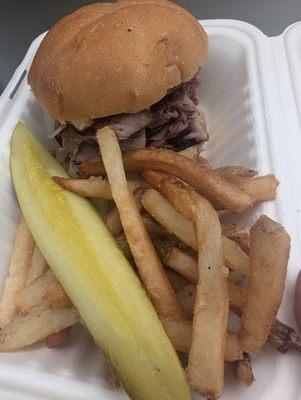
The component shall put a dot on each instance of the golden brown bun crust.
(111, 58)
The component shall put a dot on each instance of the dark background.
(22, 20)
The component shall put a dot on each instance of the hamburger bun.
(112, 58)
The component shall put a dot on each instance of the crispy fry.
(17, 273)
(206, 361)
(57, 339)
(180, 333)
(55, 296)
(176, 224)
(35, 324)
(146, 258)
(206, 181)
(32, 294)
(38, 266)
(242, 370)
(270, 246)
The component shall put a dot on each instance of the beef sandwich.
(135, 65)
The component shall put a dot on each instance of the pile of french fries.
(165, 219)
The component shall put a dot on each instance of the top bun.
(111, 58)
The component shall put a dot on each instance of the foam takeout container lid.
(252, 99)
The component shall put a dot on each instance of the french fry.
(261, 188)
(242, 370)
(94, 186)
(270, 246)
(206, 358)
(113, 222)
(57, 339)
(123, 245)
(241, 236)
(178, 260)
(38, 266)
(210, 184)
(35, 324)
(180, 334)
(18, 270)
(146, 258)
(55, 296)
(192, 152)
(176, 224)
(32, 294)
(236, 170)
(153, 228)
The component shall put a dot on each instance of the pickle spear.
(97, 277)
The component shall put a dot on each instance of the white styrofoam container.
(252, 100)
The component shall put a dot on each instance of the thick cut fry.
(56, 296)
(17, 273)
(35, 324)
(242, 370)
(144, 253)
(32, 294)
(180, 333)
(176, 224)
(206, 358)
(57, 339)
(210, 184)
(270, 246)
(38, 266)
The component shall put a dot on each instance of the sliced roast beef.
(174, 122)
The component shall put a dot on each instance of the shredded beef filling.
(175, 122)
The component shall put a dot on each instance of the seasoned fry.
(57, 339)
(206, 181)
(146, 258)
(176, 224)
(180, 333)
(38, 266)
(17, 273)
(270, 246)
(56, 296)
(32, 294)
(206, 358)
(35, 324)
(242, 370)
